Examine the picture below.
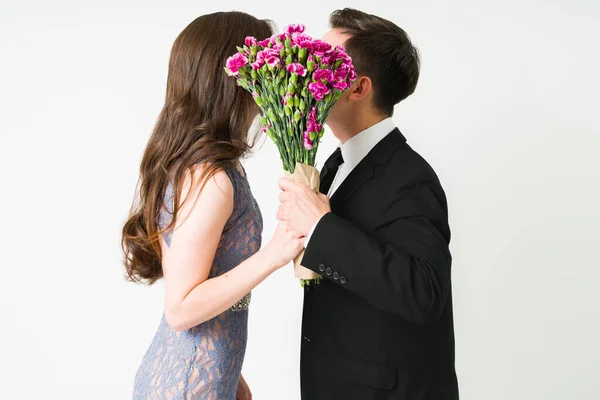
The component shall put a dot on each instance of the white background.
(506, 112)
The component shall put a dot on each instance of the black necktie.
(330, 170)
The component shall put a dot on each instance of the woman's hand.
(284, 246)
(243, 391)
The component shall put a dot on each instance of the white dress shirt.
(353, 152)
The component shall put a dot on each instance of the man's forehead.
(335, 37)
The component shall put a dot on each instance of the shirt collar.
(357, 147)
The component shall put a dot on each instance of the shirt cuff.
(310, 233)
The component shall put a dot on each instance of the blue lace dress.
(205, 361)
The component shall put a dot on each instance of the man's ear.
(361, 88)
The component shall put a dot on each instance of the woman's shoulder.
(205, 178)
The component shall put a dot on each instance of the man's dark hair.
(382, 51)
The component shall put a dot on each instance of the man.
(379, 325)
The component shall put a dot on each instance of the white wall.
(506, 111)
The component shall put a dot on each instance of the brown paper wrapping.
(309, 176)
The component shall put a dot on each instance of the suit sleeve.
(402, 267)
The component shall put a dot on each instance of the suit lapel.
(380, 154)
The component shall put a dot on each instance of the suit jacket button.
(321, 267)
(336, 276)
(329, 271)
(343, 280)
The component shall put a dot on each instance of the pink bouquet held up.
(295, 80)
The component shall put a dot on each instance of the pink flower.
(258, 64)
(314, 127)
(273, 61)
(304, 41)
(312, 124)
(235, 62)
(296, 68)
(320, 47)
(250, 41)
(318, 90)
(264, 43)
(340, 54)
(254, 94)
(268, 52)
(340, 73)
(263, 56)
(294, 28)
(321, 74)
(351, 73)
(308, 144)
(341, 85)
(260, 60)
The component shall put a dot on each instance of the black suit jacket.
(379, 326)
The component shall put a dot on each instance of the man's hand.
(243, 391)
(300, 207)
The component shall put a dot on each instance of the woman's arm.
(191, 298)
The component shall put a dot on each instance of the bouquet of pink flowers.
(295, 80)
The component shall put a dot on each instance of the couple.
(379, 325)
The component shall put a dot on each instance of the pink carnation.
(321, 74)
(304, 42)
(235, 62)
(294, 28)
(318, 90)
(340, 54)
(341, 73)
(320, 47)
(264, 43)
(273, 61)
(263, 57)
(308, 144)
(341, 85)
(250, 41)
(351, 73)
(258, 64)
(312, 124)
(296, 68)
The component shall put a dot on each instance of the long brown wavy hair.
(205, 119)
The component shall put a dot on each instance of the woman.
(196, 222)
